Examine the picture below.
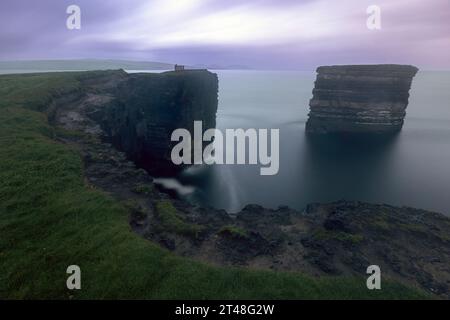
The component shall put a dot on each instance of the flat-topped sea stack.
(360, 98)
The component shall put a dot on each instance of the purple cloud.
(258, 33)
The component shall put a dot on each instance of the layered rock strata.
(360, 98)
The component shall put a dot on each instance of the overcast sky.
(297, 34)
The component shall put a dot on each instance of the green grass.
(171, 221)
(50, 219)
(233, 231)
(143, 189)
(380, 222)
(338, 235)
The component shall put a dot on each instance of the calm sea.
(411, 169)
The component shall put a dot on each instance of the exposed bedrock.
(149, 107)
(360, 98)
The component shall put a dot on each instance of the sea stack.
(360, 98)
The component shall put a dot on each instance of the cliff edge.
(148, 107)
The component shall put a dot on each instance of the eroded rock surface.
(360, 98)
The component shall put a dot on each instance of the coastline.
(317, 241)
(86, 191)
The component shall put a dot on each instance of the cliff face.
(360, 98)
(149, 107)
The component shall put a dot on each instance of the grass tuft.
(173, 222)
(234, 232)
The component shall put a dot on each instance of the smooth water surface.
(411, 169)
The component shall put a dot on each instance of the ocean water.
(410, 169)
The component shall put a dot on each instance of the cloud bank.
(258, 33)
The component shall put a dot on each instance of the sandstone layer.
(360, 98)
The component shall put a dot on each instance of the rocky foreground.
(342, 238)
(360, 98)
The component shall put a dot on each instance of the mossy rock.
(233, 232)
(136, 210)
(143, 189)
(172, 221)
(325, 235)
